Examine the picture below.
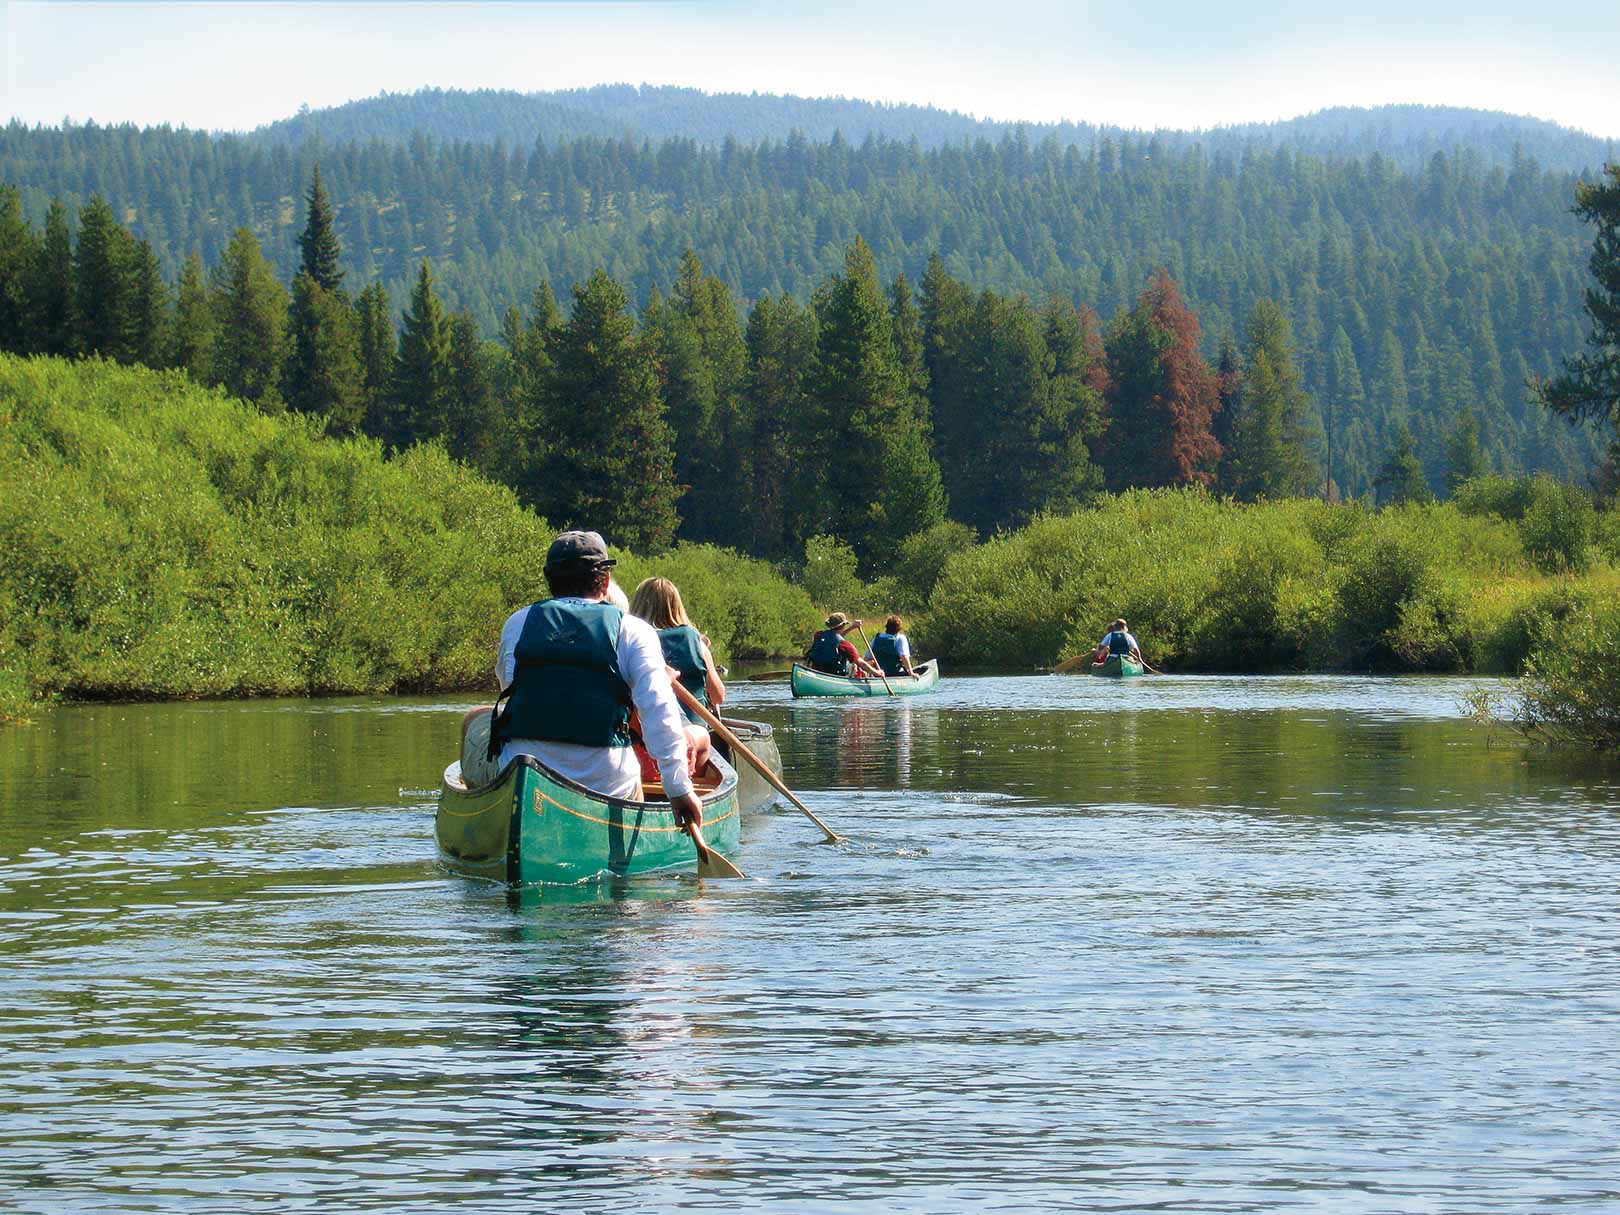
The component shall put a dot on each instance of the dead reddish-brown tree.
(1162, 395)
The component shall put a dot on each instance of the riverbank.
(165, 542)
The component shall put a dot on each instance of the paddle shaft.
(875, 661)
(736, 744)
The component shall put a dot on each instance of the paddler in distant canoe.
(829, 652)
(891, 649)
(570, 668)
(1117, 641)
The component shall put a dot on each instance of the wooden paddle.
(1069, 664)
(881, 674)
(724, 731)
(710, 863)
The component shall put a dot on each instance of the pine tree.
(195, 330)
(524, 397)
(422, 377)
(1269, 456)
(1588, 387)
(703, 364)
(909, 345)
(53, 286)
(1345, 400)
(322, 254)
(475, 422)
(19, 253)
(251, 309)
(612, 465)
(781, 341)
(1464, 459)
(1063, 474)
(102, 283)
(1401, 479)
(149, 307)
(882, 482)
(1163, 395)
(324, 374)
(947, 317)
(375, 318)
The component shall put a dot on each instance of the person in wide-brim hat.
(829, 651)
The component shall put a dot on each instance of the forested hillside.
(1414, 297)
(1407, 134)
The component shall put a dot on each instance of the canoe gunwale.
(508, 774)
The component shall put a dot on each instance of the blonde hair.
(658, 603)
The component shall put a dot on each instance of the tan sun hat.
(837, 620)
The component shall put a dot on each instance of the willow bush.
(1211, 584)
(1571, 689)
(162, 540)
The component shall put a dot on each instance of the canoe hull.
(806, 682)
(534, 826)
(1116, 666)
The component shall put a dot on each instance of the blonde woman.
(658, 602)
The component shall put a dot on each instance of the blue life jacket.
(568, 686)
(683, 650)
(825, 655)
(886, 649)
(1119, 643)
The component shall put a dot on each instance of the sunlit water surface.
(1191, 944)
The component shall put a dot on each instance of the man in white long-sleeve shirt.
(573, 665)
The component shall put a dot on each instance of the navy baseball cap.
(578, 550)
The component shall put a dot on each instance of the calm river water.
(1189, 944)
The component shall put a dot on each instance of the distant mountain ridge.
(1407, 134)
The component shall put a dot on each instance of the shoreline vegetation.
(164, 541)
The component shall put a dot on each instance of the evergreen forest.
(1344, 324)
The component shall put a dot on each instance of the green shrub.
(1571, 688)
(1557, 527)
(922, 560)
(746, 607)
(829, 576)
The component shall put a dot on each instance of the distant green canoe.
(1117, 666)
(535, 825)
(806, 682)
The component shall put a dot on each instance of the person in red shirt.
(829, 651)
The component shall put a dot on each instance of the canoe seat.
(705, 783)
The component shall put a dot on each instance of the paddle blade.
(710, 864)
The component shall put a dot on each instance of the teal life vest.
(1119, 643)
(683, 650)
(825, 655)
(886, 649)
(568, 686)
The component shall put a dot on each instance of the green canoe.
(1117, 666)
(806, 682)
(534, 825)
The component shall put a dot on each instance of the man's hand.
(688, 809)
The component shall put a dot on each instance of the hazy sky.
(1189, 63)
